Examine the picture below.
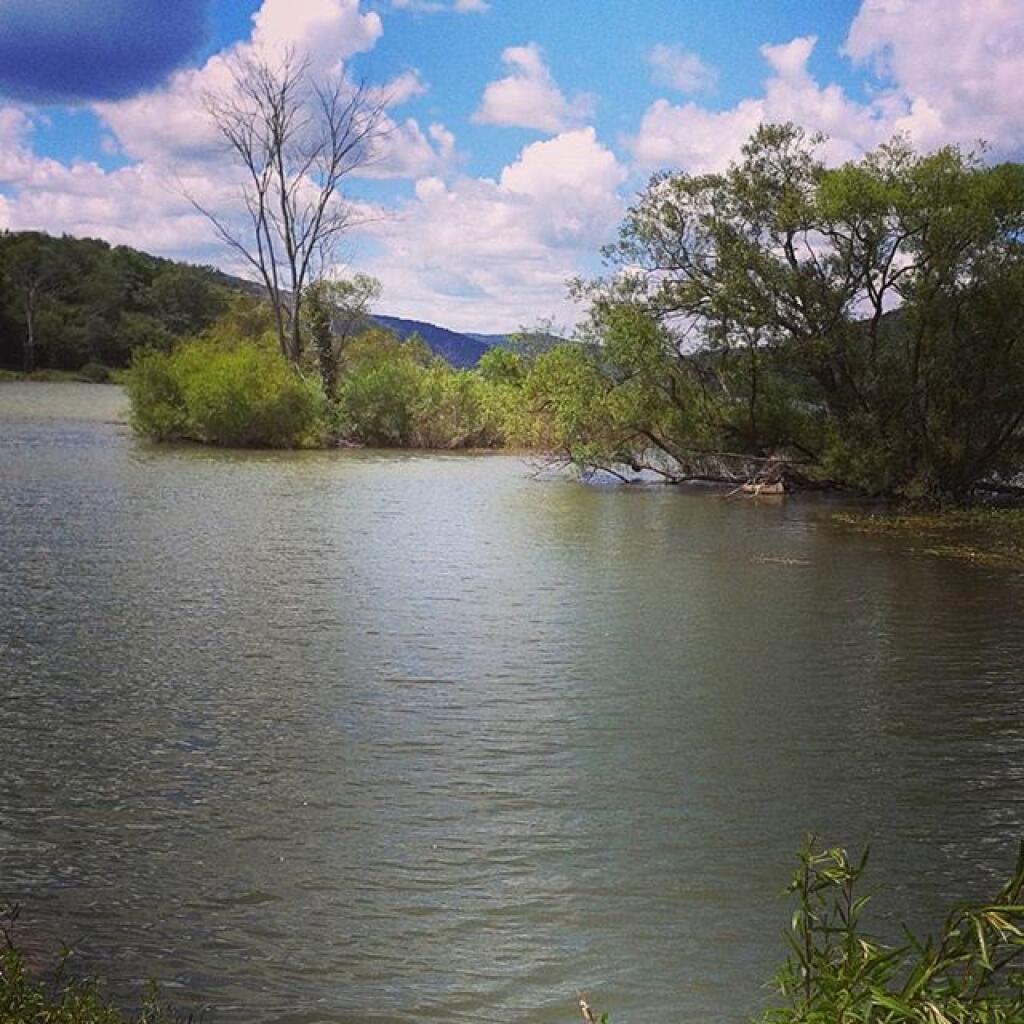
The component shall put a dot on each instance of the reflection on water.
(357, 737)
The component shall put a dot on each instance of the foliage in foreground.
(837, 972)
(25, 999)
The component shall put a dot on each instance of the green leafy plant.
(837, 973)
(61, 998)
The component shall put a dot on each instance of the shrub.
(450, 410)
(235, 395)
(376, 402)
(157, 404)
(60, 1000)
(95, 373)
(245, 396)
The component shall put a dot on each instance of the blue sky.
(522, 127)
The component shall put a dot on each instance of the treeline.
(69, 302)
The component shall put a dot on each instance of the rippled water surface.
(364, 737)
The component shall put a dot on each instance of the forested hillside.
(66, 302)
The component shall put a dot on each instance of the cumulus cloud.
(169, 123)
(130, 206)
(168, 126)
(499, 251)
(54, 51)
(680, 69)
(528, 96)
(327, 31)
(699, 140)
(174, 149)
(401, 89)
(946, 71)
(956, 67)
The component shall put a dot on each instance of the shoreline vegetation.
(780, 326)
(837, 969)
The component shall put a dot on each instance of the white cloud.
(528, 96)
(175, 149)
(329, 31)
(956, 66)
(478, 253)
(699, 140)
(402, 88)
(130, 206)
(947, 71)
(680, 69)
(170, 122)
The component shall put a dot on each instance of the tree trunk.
(29, 354)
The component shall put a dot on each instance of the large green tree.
(862, 324)
(32, 264)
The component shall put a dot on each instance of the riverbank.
(92, 374)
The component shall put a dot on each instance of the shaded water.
(363, 737)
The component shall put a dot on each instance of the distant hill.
(490, 340)
(103, 301)
(461, 350)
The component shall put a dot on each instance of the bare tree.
(296, 139)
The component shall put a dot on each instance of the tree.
(32, 264)
(335, 311)
(296, 139)
(862, 324)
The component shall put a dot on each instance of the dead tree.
(296, 140)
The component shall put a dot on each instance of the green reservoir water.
(369, 737)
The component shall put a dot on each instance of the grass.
(47, 376)
(992, 538)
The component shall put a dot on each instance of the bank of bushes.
(237, 395)
(232, 387)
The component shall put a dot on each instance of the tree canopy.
(861, 324)
(65, 302)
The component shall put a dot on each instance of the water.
(364, 737)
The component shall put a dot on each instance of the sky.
(520, 130)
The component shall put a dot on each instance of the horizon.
(520, 133)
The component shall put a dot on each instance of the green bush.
(451, 411)
(235, 395)
(376, 402)
(95, 373)
(157, 404)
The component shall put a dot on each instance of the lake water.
(367, 737)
